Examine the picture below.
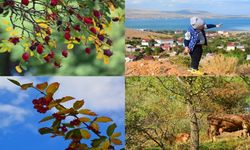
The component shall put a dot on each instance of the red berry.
(57, 65)
(46, 39)
(26, 56)
(77, 28)
(67, 35)
(65, 53)
(53, 2)
(88, 20)
(14, 40)
(97, 13)
(93, 30)
(79, 17)
(52, 54)
(88, 50)
(25, 2)
(39, 49)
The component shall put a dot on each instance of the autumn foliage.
(47, 30)
(76, 124)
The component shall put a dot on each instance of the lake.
(229, 24)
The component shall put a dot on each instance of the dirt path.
(154, 68)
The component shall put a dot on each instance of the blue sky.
(229, 7)
(19, 121)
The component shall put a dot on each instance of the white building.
(145, 43)
(241, 47)
(231, 47)
(248, 57)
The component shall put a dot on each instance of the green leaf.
(69, 134)
(111, 129)
(78, 104)
(85, 134)
(45, 130)
(26, 86)
(15, 82)
(103, 119)
(46, 118)
(97, 142)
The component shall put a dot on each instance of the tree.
(166, 104)
(44, 35)
(85, 124)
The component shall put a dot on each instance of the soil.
(154, 68)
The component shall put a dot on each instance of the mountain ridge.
(185, 13)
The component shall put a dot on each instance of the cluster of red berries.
(41, 104)
(63, 129)
(10, 3)
(75, 122)
(14, 40)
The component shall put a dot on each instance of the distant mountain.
(139, 13)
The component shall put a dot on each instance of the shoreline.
(158, 31)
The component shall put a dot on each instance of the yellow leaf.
(87, 112)
(106, 59)
(85, 134)
(31, 53)
(13, 33)
(19, 69)
(6, 22)
(42, 86)
(84, 119)
(114, 135)
(116, 141)
(26, 86)
(95, 126)
(65, 111)
(65, 99)
(52, 88)
(102, 32)
(70, 46)
(105, 145)
(103, 119)
(99, 55)
(8, 29)
(111, 6)
(78, 104)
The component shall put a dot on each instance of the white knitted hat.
(196, 22)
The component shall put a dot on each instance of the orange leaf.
(42, 86)
(116, 141)
(78, 104)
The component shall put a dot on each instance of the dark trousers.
(196, 56)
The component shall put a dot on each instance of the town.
(153, 47)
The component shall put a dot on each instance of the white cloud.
(10, 115)
(100, 93)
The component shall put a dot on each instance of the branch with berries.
(49, 29)
(75, 123)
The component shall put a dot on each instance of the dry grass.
(219, 65)
(244, 69)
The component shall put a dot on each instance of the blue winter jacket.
(194, 38)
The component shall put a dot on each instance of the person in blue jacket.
(195, 37)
